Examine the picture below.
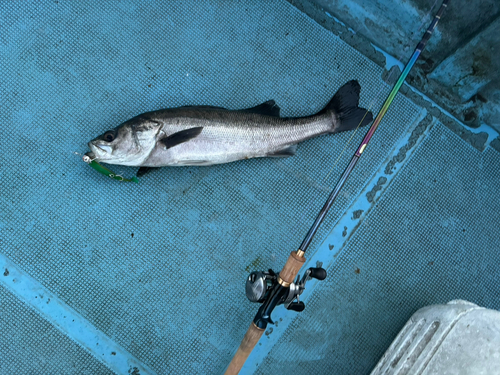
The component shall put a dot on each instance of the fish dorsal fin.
(269, 108)
(181, 137)
(204, 107)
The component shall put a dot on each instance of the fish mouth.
(100, 150)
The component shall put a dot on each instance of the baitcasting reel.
(260, 283)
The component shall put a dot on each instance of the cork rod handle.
(292, 266)
(251, 339)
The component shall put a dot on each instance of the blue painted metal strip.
(67, 320)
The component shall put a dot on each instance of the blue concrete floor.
(152, 274)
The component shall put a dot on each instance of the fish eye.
(109, 136)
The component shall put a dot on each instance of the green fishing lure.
(105, 171)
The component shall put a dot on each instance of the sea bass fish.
(212, 135)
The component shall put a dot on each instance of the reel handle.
(317, 273)
(297, 306)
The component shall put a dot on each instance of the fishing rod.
(271, 289)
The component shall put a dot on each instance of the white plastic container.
(457, 338)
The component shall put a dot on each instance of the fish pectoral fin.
(269, 108)
(284, 153)
(181, 137)
(144, 170)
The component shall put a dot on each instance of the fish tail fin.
(344, 106)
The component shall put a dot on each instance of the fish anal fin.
(181, 137)
(284, 153)
(193, 162)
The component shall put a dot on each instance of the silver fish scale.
(229, 136)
